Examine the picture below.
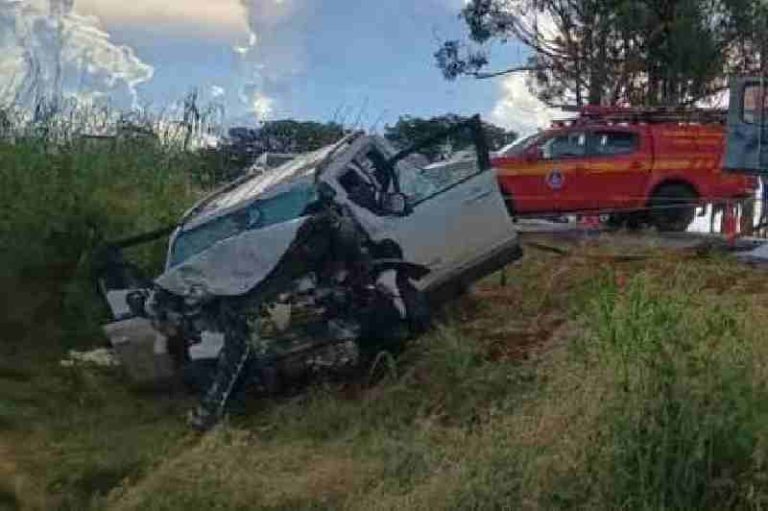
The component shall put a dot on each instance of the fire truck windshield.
(519, 147)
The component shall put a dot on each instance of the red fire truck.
(640, 165)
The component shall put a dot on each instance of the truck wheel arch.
(674, 210)
(676, 181)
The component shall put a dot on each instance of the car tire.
(672, 207)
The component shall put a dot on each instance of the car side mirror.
(396, 204)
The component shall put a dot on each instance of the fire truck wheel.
(673, 207)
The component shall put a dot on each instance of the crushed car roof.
(248, 187)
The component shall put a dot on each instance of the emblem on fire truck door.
(555, 179)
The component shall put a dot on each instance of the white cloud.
(261, 106)
(275, 53)
(518, 109)
(217, 91)
(277, 41)
(46, 49)
(220, 19)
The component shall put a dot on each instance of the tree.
(410, 130)
(749, 48)
(244, 145)
(287, 136)
(649, 52)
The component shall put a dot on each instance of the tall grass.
(71, 178)
(658, 402)
(686, 422)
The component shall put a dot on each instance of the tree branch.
(482, 76)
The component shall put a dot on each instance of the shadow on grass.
(8, 500)
(14, 374)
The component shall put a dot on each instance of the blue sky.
(367, 61)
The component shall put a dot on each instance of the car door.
(617, 169)
(520, 170)
(455, 215)
(459, 208)
(564, 158)
(747, 142)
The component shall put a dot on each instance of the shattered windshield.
(440, 163)
(289, 205)
(415, 183)
(419, 183)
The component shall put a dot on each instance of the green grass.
(59, 199)
(614, 386)
(651, 398)
(73, 434)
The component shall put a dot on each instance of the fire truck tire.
(672, 207)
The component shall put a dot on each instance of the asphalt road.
(562, 236)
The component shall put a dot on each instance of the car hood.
(234, 265)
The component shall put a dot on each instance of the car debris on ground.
(315, 266)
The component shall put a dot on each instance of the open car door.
(747, 142)
(455, 222)
(460, 201)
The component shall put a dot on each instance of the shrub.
(61, 194)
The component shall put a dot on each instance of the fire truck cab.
(641, 166)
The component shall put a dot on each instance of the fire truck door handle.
(636, 165)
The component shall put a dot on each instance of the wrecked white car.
(323, 259)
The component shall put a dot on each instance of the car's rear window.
(572, 144)
(612, 143)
